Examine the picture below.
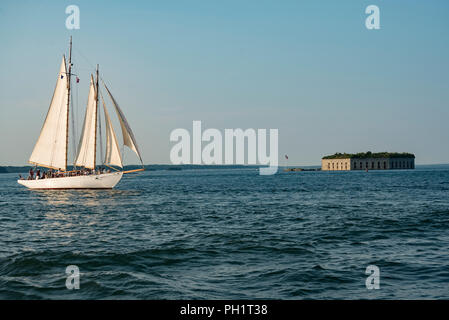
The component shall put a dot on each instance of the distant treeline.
(369, 154)
(150, 167)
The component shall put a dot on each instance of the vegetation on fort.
(369, 154)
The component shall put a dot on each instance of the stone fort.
(368, 161)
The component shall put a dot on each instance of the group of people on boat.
(38, 174)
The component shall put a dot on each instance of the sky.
(310, 69)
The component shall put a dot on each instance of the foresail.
(128, 136)
(113, 156)
(51, 147)
(86, 147)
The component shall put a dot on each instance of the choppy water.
(230, 234)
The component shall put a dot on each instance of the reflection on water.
(85, 197)
(65, 211)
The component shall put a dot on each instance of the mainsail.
(113, 156)
(51, 147)
(128, 136)
(87, 144)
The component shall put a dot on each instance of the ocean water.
(230, 234)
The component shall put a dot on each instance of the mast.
(96, 119)
(68, 102)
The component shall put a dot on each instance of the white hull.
(94, 181)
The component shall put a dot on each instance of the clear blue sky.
(309, 68)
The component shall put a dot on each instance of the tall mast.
(96, 119)
(68, 102)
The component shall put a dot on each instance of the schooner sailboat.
(51, 148)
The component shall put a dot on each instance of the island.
(368, 161)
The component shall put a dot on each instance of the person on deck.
(30, 177)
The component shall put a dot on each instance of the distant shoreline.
(174, 167)
(148, 167)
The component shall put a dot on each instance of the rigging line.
(99, 127)
(77, 115)
(85, 58)
(105, 126)
(112, 167)
(73, 128)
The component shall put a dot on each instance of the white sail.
(86, 148)
(128, 136)
(51, 147)
(113, 156)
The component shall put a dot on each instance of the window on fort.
(378, 164)
(361, 165)
(385, 165)
(372, 165)
(366, 165)
(346, 166)
(328, 166)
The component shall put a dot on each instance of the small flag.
(77, 80)
(286, 157)
(62, 76)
